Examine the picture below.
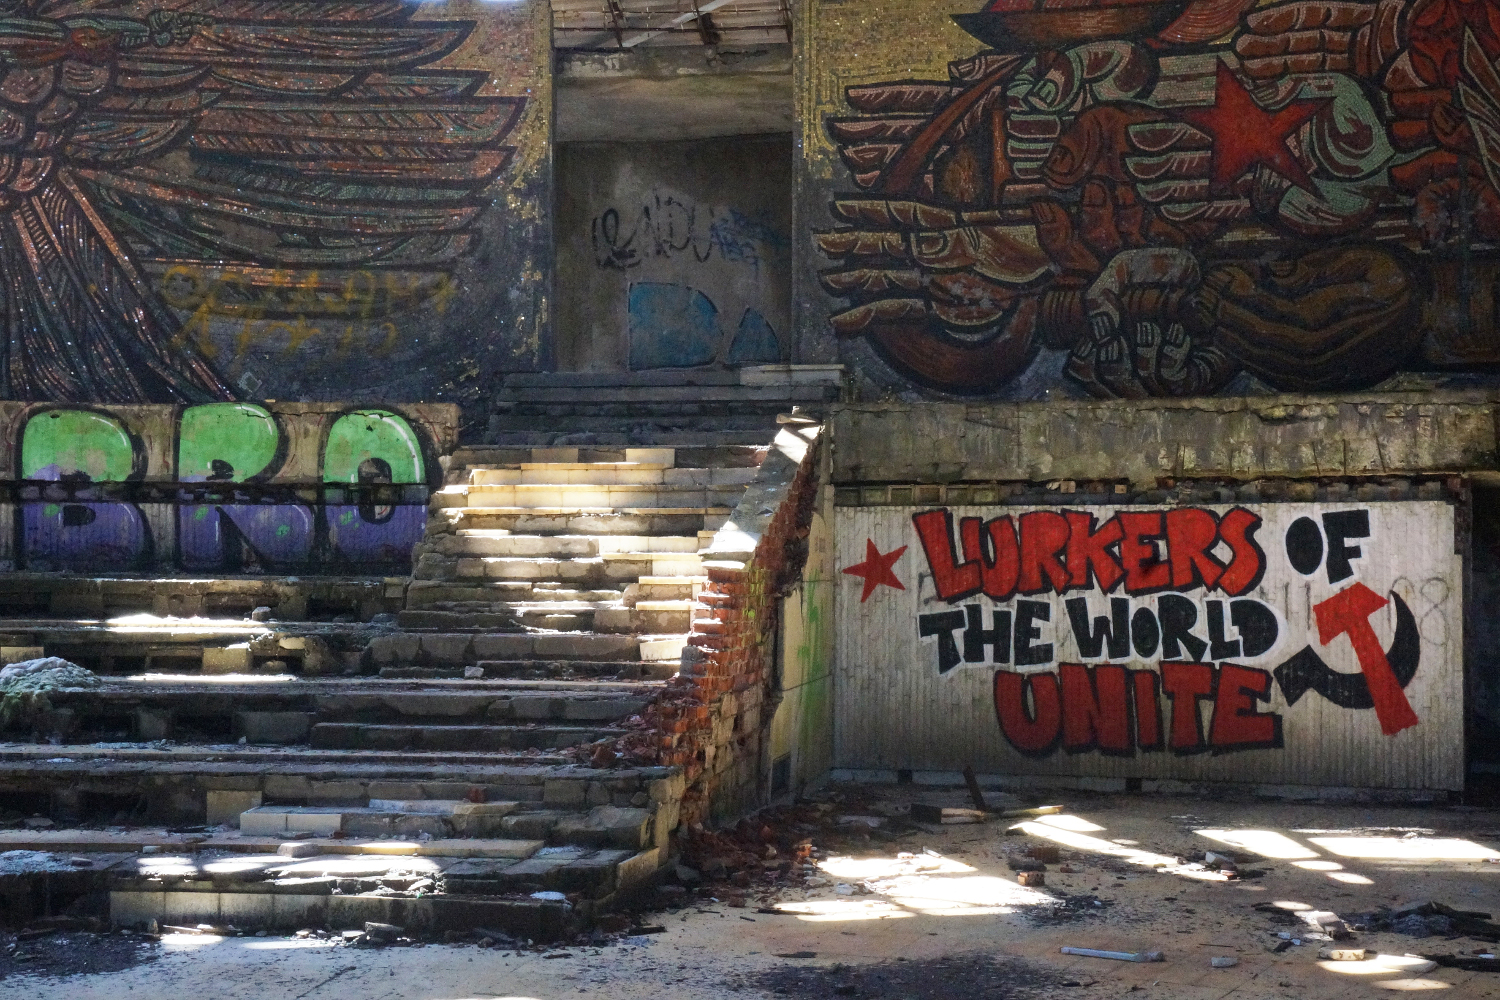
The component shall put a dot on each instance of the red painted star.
(1246, 134)
(876, 569)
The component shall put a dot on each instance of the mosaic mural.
(210, 200)
(1149, 198)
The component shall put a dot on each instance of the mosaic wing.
(314, 137)
(262, 134)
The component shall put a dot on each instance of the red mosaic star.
(876, 569)
(1246, 134)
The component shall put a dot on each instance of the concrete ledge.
(1370, 434)
(1050, 784)
(739, 536)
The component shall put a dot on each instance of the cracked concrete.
(954, 898)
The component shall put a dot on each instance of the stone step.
(285, 713)
(472, 739)
(523, 826)
(190, 784)
(449, 649)
(500, 432)
(590, 473)
(533, 703)
(578, 520)
(289, 598)
(646, 617)
(480, 542)
(492, 618)
(543, 670)
(407, 819)
(122, 840)
(668, 588)
(494, 596)
(600, 396)
(617, 567)
(607, 474)
(705, 457)
(558, 801)
(663, 648)
(552, 497)
(147, 642)
(565, 616)
(547, 895)
(751, 375)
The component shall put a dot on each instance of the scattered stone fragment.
(1119, 956)
(1343, 954)
(1223, 961)
(382, 933)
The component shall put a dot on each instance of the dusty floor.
(949, 919)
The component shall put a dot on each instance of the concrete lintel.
(670, 63)
(672, 107)
(1239, 438)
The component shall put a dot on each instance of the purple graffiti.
(375, 534)
(84, 536)
(241, 536)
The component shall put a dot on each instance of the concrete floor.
(959, 900)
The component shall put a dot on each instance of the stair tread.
(560, 725)
(102, 759)
(374, 687)
(587, 466)
(131, 841)
(586, 510)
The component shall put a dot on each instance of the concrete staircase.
(564, 562)
(442, 776)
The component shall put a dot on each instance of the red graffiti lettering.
(1088, 551)
(1031, 731)
(1236, 724)
(1146, 551)
(1248, 564)
(1187, 684)
(952, 580)
(1144, 569)
(1191, 532)
(1000, 566)
(1145, 686)
(1044, 534)
(1095, 714)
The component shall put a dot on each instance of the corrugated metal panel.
(894, 709)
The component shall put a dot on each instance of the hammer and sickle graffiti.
(1306, 670)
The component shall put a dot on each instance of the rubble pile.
(24, 687)
(1427, 920)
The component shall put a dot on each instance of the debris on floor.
(1429, 919)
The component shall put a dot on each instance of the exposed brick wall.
(713, 721)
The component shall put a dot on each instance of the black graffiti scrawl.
(309, 147)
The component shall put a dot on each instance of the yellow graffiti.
(269, 303)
